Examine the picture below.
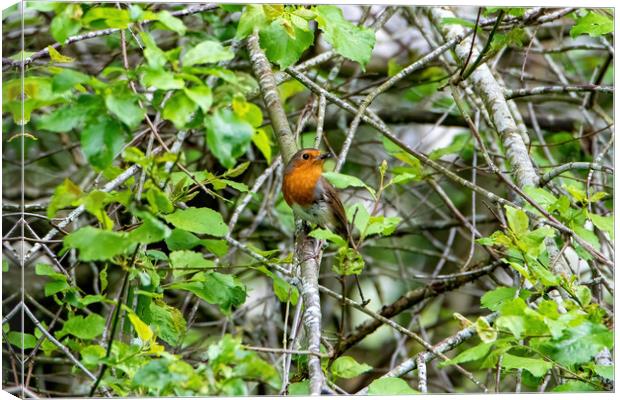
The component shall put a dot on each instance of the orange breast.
(298, 185)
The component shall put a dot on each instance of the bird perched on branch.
(314, 199)
(311, 196)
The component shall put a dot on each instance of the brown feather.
(341, 226)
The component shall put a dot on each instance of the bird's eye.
(306, 156)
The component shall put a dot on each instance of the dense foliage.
(158, 257)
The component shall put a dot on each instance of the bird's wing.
(330, 195)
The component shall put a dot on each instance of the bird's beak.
(325, 156)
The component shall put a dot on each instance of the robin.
(314, 199)
(310, 195)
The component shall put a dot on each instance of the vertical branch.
(306, 248)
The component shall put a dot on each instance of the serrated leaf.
(83, 328)
(351, 41)
(64, 195)
(101, 140)
(179, 109)
(200, 95)
(160, 79)
(186, 262)
(341, 181)
(326, 234)
(198, 220)
(390, 386)
(124, 105)
(67, 79)
(280, 47)
(97, 244)
(21, 340)
(471, 354)
(253, 16)
(593, 24)
(228, 136)
(346, 367)
(535, 366)
(207, 52)
(168, 322)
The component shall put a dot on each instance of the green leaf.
(578, 344)
(179, 109)
(201, 95)
(215, 288)
(207, 52)
(97, 244)
(346, 367)
(188, 260)
(326, 234)
(353, 42)
(535, 366)
(228, 136)
(389, 386)
(605, 224)
(124, 105)
(198, 220)
(112, 17)
(593, 24)
(587, 235)
(516, 324)
(101, 140)
(83, 328)
(168, 322)
(546, 277)
(144, 332)
(171, 22)
(252, 17)
(154, 375)
(517, 220)
(152, 230)
(471, 354)
(384, 226)
(486, 333)
(158, 201)
(64, 195)
(358, 215)
(155, 56)
(299, 388)
(541, 196)
(92, 355)
(280, 47)
(284, 291)
(575, 387)
(217, 247)
(21, 340)
(341, 181)
(67, 79)
(67, 23)
(605, 371)
(348, 262)
(263, 143)
(250, 112)
(181, 239)
(458, 144)
(54, 287)
(160, 79)
(62, 119)
(458, 21)
(584, 295)
(494, 299)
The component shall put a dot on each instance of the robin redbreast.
(314, 199)
(310, 195)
